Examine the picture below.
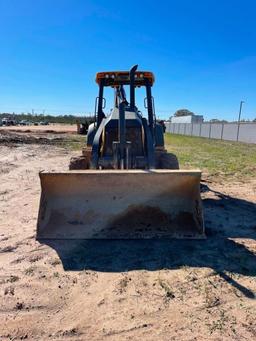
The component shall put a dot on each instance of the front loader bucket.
(115, 204)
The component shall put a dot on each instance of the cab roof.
(115, 78)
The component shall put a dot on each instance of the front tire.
(79, 162)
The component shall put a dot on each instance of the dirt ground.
(53, 127)
(122, 290)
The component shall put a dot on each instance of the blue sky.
(203, 53)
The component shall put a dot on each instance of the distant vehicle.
(23, 122)
(36, 123)
(82, 128)
(8, 121)
(161, 122)
(44, 123)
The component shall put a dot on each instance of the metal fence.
(243, 132)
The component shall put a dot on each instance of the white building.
(187, 119)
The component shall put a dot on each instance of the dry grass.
(214, 157)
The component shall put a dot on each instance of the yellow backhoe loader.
(125, 184)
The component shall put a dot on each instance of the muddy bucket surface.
(115, 204)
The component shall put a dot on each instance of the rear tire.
(168, 161)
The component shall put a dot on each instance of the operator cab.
(124, 128)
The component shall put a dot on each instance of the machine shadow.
(226, 218)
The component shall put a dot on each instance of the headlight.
(107, 76)
(113, 76)
(141, 75)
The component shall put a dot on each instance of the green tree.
(183, 112)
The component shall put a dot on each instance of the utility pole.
(239, 117)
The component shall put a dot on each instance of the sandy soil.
(123, 290)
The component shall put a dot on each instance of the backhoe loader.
(124, 185)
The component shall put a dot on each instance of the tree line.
(68, 119)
